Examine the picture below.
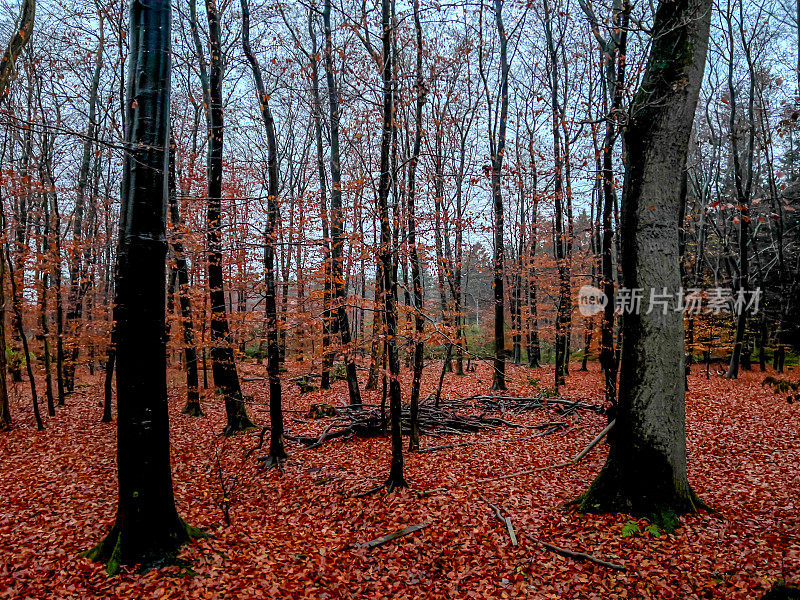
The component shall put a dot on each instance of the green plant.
(630, 528)
(14, 360)
(633, 527)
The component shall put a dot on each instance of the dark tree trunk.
(78, 276)
(416, 271)
(646, 469)
(43, 319)
(276, 448)
(498, 153)
(323, 194)
(148, 529)
(223, 366)
(561, 237)
(534, 348)
(743, 181)
(337, 218)
(16, 45)
(16, 306)
(395, 478)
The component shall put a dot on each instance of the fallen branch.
(580, 556)
(392, 536)
(577, 458)
(445, 447)
(586, 450)
(507, 522)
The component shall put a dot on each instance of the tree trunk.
(499, 376)
(148, 529)
(416, 271)
(337, 218)
(16, 45)
(389, 291)
(646, 472)
(276, 448)
(192, 407)
(223, 366)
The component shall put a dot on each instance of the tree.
(646, 472)
(192, 407)
(340, 322)
(276, 449)
(396, 478)
(148, 529)
(226, 377)
(21, 37)
(416, 274)
(497, 149)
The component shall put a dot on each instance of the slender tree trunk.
(499, 376)
(276, 447)
(43, 320)
(416, 271)
(223, 365)
(337, 218)
(389, 292)
(192, 407)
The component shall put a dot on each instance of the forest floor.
(294, 535)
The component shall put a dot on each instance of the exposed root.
(273, 462)
(111, 549)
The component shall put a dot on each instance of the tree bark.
(148, 529)
(223, 365)
(646, 472)
(276, 447)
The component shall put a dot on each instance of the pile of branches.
(370, 421)
(516, 405)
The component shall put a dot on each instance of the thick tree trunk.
(646, 469)
(148, 529)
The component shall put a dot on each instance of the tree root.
(110, 549)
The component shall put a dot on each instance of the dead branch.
(445, 447)
(392, 536)
(580, 556)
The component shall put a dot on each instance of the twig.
(392, 536)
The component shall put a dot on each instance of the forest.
(406, 299)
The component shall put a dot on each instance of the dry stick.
(579, 456)
(507, 522)
(580, 556)
(392, 536)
